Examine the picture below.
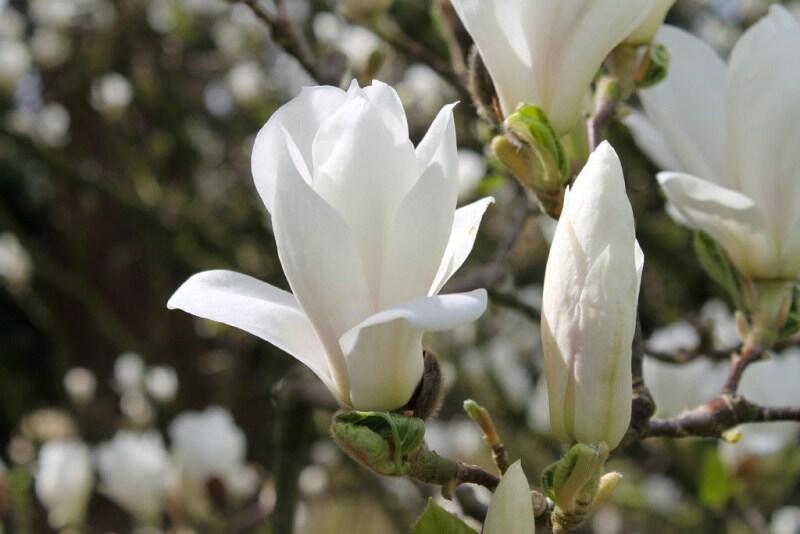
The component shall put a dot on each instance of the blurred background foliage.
(125, 131)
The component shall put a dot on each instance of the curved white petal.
(387, 99)
(363, 170)
(763, 113)
(384, 353)
(644, 33)
(322, 264)
(511, 509)
(687, 107)
(569, 42)
(498, 32)
(257, 308)
(466, 222)
(301, 118)
(728, 216)
(420, 231)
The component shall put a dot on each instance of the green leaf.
(437, 520)
(716, 485)
(792, 325)
(715, 262)
(531, 124)
(657, 66)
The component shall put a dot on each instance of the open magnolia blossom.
(367, 233)
(591, 289)
(511, 509)
(547, 52)
(729, 137)
(648, 28)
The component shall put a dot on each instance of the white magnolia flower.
(647, 29)
(208, 444)
(729, 137)
(64, 481)
(367, 234)
(134, 470)
(511, 508)
(591, 289)
(547, 52)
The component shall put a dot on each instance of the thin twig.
(286, 35)
(491, 274)
(715, 418)
(741, 361)
(391, 33)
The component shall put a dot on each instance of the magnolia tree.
(373, 238)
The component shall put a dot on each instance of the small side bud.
(654, 67)
(770, 305)
(533, 153)
(573, 483)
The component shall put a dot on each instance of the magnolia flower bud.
(647, 29)
(134, 470)
(64, 482)
(591, 289)
(367, 234)
(547, 52)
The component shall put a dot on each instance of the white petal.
(511, 509)
(569, 42)
(644, 33)
(687, 107)
(322, 264)
(497, 29)
(729, 217)
(301, 118)
(384, 353)
(651, 141)
(364, 171)
(466, 222)
(420, 231)
(386, 98)
(256, 307)
(763, 107)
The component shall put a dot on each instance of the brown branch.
(286, 36)
(392, 34)
(741, 361)
(719, 415)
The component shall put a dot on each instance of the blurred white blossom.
(471, 170)
(128, 371)
(15, 262)
(12, 24)
(247, 83)
(80, 384)
(161, 383)
(64, 481)
(15, 61)
(134, 471)
(111, 94)
(785, 520)
(679, 387)
(50, 48)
